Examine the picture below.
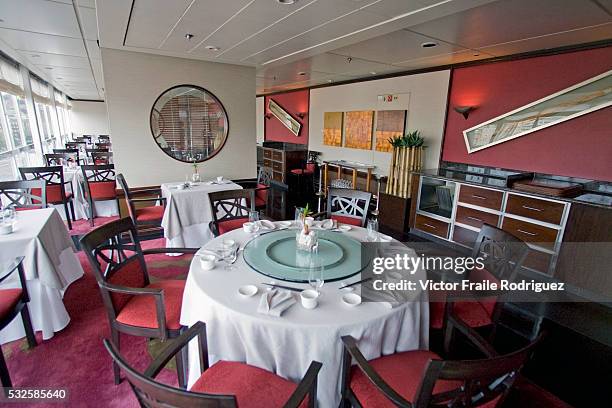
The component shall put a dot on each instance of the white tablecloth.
(287, 345)
(188, 213)
(50, 266)
(81, 205)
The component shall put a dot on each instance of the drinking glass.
(254, 218)
(298, 217)
(315, 272)
(372, 230)
(229, 253)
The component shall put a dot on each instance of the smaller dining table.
(50, 266)
(188, 212)
(286, 345)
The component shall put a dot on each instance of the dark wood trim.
(85, 100)
(512, 57)
(127, 25)
(447, 110)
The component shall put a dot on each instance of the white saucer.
(247, 290)
(351, 299)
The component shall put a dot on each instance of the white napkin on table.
(275, 302)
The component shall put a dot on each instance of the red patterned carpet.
(75, 358)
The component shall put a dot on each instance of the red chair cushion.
(261, 195)
(103, 190)
(252, 386)
(230, 225)
(402, 371)
(152, 213)
(53, 194)
(8, 301)
(473, 313)
(344, 219)
(130, 275)
(140, 310)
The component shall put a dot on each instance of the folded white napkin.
(275, 302)
(267, 224)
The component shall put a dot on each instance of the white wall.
(259, 120)
(133, 81)
(426, 105)
(89, 118)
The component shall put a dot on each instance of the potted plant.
(306, 238)
(407, 157)
(195, 177)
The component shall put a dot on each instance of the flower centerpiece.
(306, 238)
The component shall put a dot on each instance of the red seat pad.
(230, 225)
(402, 371)
(53, 194)
(8, 300)
(252, 386)
(261, 194)
(140, 309)
(102, 190)
(473, 313)
(152, 213)
(347, 220)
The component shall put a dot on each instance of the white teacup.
(248, 227)
(207, 262)
(6, 228)
(309, 298)
(219, 179)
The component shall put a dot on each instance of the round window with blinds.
(189, 123)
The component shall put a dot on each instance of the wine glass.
(372, 230)
(229, 253)
(315, 272)
(254, 219)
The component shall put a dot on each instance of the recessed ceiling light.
(373, 72)
(287, 1)
(49, 68)
(189, 36)
(35, 56)
(59, 78)
(212, 48)
(301, 73)
(429, 44)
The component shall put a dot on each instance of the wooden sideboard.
(454, 211)
(282, 160)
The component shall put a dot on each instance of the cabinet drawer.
(530, 207)
(536, 260)
(277, 155)
(276, 166)
(267, 163)
(481, 197)
(475, 218)
(277, 176)
(267, 154)
(542, 236)
(464, 236)
(431, 226)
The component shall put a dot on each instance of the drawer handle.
(429, 225)
(531, 234)
(479, 197)
(474, 218)
(532, 208)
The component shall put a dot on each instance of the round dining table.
(286, 345)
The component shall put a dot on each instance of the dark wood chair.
(55, 187)
(79, 145)
(14, 302)
(89, 151)
(23, 194)
(145, 216)
(503, 255)
(102, 157)
(422, 379)
(103, 139)
(223, 385)
(102, 145)
(264, 177)
(348, 206)
(73, 154)
(134, 305)
(57, 159)
(85, 139)
(99, 185)
(230, 209)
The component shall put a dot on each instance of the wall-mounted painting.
(332, 128)
(569, 103)
(389, 124)
(358, 129)
(285, 118)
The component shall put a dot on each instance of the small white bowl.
(309, 298)
(284, 224)
(344, 228)
(247, 291)
(351, 299)
(248, 227)
(207, 262)
(219, 179)
(6, 229)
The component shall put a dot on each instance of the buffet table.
(287, 344)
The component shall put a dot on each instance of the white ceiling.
(47, 37)
(308, 43)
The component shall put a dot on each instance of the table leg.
(355, 179)
(368, 179)
(325, 178)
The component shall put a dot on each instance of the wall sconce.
(464, 110)
(301, 115)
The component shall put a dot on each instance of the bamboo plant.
(407, 156)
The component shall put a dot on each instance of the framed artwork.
(577, 100)
(332, 128)
(389, 124)
(358, 129)
(285, 118)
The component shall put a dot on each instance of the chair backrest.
(104, 157)
(116, 258)
(231, 204)
(347, 203)
(100, 181)
(23, 194)
(103, 145)
(7, 269)
(55, 159)
(53, 177)
(89, 152)
(103, 138)
(128, 197)
(79, 145)
(72, 153)
(502, 252)
(264, 176)
(84, 138)
(478, 381)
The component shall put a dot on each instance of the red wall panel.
(580, 147)
(294, 103)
